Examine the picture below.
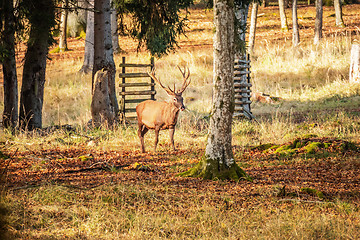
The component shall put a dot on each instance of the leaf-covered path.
(322, 175)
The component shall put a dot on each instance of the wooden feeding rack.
(135, 87)
(242, 87)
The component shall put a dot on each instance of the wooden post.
(123, 88)
(354, 75)
(152, 80)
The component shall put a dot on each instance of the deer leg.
(157, 130)
(171, 133)
(141, 133)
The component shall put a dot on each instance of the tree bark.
(88, 64)
(63, 27)
(318, 21)
(33, 81)
(114, 32)
(284, 24)
(10, 114)
(338, 14)
(241, 14)
(103, 52)
(218, 161)
(102, 111)
(296, 34)
(252, 31)
(354, 75)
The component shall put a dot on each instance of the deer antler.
(168, 89)
(186, 75)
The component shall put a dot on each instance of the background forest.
(302, 152)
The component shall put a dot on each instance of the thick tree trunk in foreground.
(338, 14)
(354, 75)
(63, 26)
(103, 52)
(218, 161)
(284, 24)
(102, 111)
(318, 21)
(10, 114)
(89, 41)
(33, 82)
(252, 30)
(296, 34)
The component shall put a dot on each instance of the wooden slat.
(134, 65)
(243, 95)
(238, 115)
(136, 100)
(241, 61)
(237, 108)
(242, 90)
(241, 66)
(241, 84)
(141, 84)
(133, 75)
(242, 102)
(129, 110)
(138, 93)
(241, 72)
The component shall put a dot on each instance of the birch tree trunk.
(33, 81)
(354, 76)
(10, 114)
(63, 26)
(338, 14)
(296, 34)
(252, 31)
(114, 32)
(103, 52)
(88, 63)
(218, 161)
(241, 14)
(318, 21)
(284, 24)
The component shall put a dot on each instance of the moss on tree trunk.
(212, 169)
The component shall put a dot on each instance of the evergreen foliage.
(154, 23)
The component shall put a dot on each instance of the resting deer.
(161, 115)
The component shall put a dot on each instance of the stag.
(161, 115)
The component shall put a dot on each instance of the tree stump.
(354, 75)
(102, 110)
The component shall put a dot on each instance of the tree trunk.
(338, 14)
(218, 161)
(252, 31)
(102, 111)
(63, 26)
(10, 114)
(318, 21)
(114, 32)
(296, 34)
(33, 82)
(354, 76)
(88, 64)
(241, 14)
(284, 24)
(103, 52)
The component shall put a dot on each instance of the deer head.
(176, 95)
